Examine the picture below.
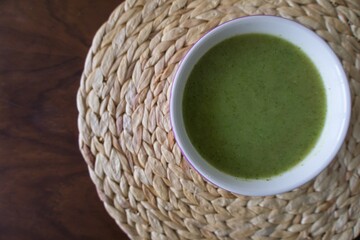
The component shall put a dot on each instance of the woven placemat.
(134, 161)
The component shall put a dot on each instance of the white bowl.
(337, 99)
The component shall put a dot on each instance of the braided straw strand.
(125, 135)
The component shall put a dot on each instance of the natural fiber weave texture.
(127, 142)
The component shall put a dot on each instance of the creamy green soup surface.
(254, 106)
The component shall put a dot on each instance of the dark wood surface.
(45, 189)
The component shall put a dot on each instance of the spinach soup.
(254, 106)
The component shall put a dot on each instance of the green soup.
(254, 106)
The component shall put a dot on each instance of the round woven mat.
(134, 161)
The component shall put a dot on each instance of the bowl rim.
(325, 163)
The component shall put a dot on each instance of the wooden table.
(45, 189)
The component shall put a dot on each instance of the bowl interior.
(337, 98)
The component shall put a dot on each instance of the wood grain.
(45, 189)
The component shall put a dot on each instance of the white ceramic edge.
(298, 175)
